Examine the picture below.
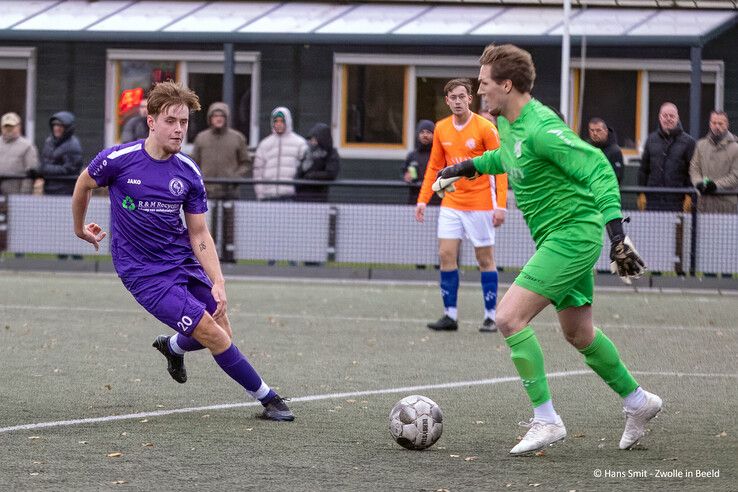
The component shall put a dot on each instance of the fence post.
(693, 238)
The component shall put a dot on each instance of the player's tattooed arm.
(202, 246)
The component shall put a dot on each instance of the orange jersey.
(451, 146)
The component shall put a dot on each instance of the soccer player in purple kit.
(171, 270)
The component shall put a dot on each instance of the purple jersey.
(146, 196)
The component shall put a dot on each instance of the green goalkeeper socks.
(526, 354)
(602, 356)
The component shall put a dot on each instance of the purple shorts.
(178, 297)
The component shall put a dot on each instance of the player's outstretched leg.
(639, 405)
(173, 348)
(449, 293)
(489, 291)
(235, 364)
(546, 427)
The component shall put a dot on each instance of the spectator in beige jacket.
(221, 152)
(714, 166)
(17, 156)
(279, 156)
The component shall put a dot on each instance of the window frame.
(648, 70)
(415, 66)
(184, 61)
(24, 58)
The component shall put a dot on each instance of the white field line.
(331, 396)
(374, 319)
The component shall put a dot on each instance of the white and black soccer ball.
(416, 422)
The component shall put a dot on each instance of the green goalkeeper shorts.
(562, 271)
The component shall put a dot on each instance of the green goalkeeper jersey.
(564, 187)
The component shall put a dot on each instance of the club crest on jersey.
(470, 143)
(176, 186)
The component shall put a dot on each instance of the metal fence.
(373, 223)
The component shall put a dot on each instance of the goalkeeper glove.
(626, 262)
(463, 169)
(444, 185)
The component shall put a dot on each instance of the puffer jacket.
(60, 157)
(612, 151)
(279, 157)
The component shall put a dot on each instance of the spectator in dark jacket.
(413, 169)
(603, 137)
(61, 155)
(323, 164)
(136, 128)
(665, 162)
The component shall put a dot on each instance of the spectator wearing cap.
(221, 152)
(17, 156)
(61, 155)
(278, 157)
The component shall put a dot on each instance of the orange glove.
(687, 205)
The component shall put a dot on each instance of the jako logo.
(134, 181)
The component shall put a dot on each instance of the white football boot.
(539, 435)
(635, 421)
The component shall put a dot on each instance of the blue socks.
(489, 290)
(234, 363)
(450, 291)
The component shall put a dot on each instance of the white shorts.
(475, 225)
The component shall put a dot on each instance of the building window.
(375, 105)
(641, 87)
(378, 99)
(132, 74)
(18, 83)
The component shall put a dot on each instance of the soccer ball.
(416, 422)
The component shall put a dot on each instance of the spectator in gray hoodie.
(279, 156)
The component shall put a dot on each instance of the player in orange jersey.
(473, 210)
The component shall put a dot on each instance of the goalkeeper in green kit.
(567, 192)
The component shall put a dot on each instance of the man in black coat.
(323, 164)
(603, 137)
(61, 155)
(665, 162)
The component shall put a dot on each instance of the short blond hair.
(167, 94)
(510, 63)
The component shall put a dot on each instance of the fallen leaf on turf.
(114, 455)
(470, 458)
(34, 437)
(670, 459)
(144, 421)
(722, 434)
(119, 482)
(442, 490)
(479, 422)
(454, 455)
(148, 444)
(250, 429)
(82, 442)
(123, 434)
(34, 474)
(350, 401)
(579, 435)
(160, 406)
(108, 387)
(534, 484)
(541, 453)
(602, 439)
(206, 416)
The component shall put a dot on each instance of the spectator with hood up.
(323, 165)
(278, 157)
(413, 170)
(221, 152)
(61, 155)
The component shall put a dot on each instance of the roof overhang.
(356, 23)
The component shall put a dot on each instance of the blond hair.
(167, 94)
(510, 63)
